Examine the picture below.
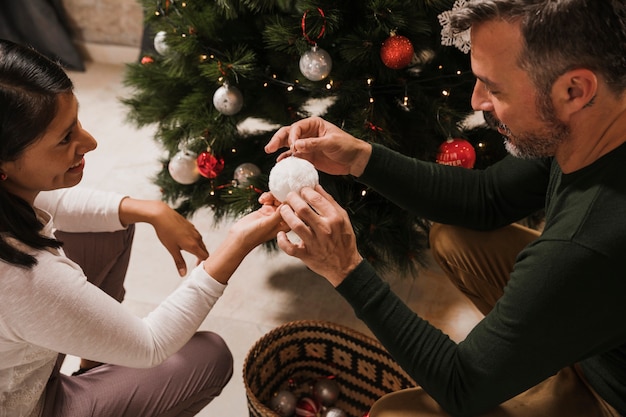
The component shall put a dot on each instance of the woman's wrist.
(137, 211)
(225, 260)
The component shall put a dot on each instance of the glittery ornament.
(307, 407)
(183, 167)
(456, 152)
(326, 391)
(396, 52)
(159, 43)
(316, 64)
(244, 172)
(209, 165)
(284, 403)
(228, 100)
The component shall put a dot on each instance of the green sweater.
(566, 298)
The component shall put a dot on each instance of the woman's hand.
(327, 147)
(246, 234)
(328, 244)
(174, 231)
(261, 225)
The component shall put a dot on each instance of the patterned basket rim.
(368, 343)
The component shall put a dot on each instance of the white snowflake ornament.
(448, 37)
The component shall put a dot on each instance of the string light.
(369, 82)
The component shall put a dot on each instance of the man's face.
(507, 97)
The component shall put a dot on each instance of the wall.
(106, 30)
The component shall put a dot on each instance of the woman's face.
(53, 161)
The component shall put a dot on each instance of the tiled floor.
(268, 290)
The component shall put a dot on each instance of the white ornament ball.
(183, 167)
(316, 64)
(291, 174)
(159, 43)
(244, 172)
(228, 100)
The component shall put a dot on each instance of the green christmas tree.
(379, 71)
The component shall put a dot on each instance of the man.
(551, 77)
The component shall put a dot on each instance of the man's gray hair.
(559, 35)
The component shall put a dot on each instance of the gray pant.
(181, 386)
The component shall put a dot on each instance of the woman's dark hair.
(29, 88)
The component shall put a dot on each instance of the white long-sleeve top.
(51, 308)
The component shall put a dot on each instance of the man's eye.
(491, 91)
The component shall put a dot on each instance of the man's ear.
(574, 90)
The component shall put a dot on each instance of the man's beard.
(530, 145)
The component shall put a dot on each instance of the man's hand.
(327, 147)
(328, 244)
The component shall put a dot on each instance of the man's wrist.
(362, 159)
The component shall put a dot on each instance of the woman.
(49, 305)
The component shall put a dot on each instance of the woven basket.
(304, 350)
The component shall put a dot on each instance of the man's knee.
(412, 402)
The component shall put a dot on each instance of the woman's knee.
(210, 351)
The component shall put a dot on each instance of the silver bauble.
(284, 403)
(326, 391)
(316, 64)
(244, 172)
(228, 100)
(159, 43)
(334, 412)
(183, 167)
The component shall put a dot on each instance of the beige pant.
(479, 264)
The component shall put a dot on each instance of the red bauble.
(396, 52)
(457, 152)
(209, 165)
(147, 60)
(307, 407)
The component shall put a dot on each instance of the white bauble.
(316, 64)
(183, 167)
(291, 174)
(228, 100)
(159, 43)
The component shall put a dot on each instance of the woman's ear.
(574, 91)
